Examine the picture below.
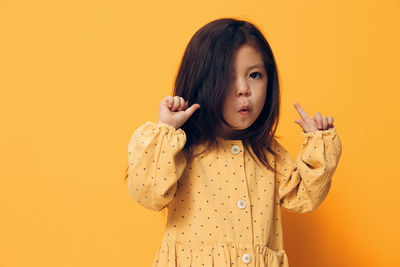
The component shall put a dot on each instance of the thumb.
(189, 111)
(301, 123)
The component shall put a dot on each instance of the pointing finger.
(302, 113)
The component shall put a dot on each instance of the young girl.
(213, 160)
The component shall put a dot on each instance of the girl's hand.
(308, 124)
(174, 111)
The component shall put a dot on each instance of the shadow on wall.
(308, 244)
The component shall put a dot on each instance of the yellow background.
(78, 77)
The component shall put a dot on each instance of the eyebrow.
(259, 65)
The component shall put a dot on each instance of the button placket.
(244, 215)
(241, 203)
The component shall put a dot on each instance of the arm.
(156, 162)
(303, 185)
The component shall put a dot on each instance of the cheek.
(228, 107)
(260, 102)
(226, 111)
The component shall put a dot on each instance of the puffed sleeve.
(303, 185)
(156, 162)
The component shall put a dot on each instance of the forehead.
(247, 57)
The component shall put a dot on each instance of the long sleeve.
(303, 185)
(156, 162)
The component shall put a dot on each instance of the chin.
(243, 127)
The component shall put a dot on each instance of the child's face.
(248, 87)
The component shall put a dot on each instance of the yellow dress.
(224, 208)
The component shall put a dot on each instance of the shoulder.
(280, 151)
(276, 146)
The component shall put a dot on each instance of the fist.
(174, 111)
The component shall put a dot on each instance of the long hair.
(204, 77)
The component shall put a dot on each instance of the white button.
(235, 149)
(246, 258)
(241, 203)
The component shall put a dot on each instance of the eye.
(257, 73)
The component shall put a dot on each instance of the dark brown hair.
(204, 77)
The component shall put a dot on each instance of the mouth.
(244, 111)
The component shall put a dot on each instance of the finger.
(176, 103)
(168, 100)
(192, 109)
(186, 105)
(324, 123)
(301, 111)
(181, 104)
(303, 125)
(330, 121)
(318, 119)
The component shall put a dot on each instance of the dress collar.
(228, 141)
(229, 144)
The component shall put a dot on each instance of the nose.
(244, 90)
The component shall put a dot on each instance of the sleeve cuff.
(167, 127)
(319, 133)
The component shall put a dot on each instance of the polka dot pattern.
(224, 207)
